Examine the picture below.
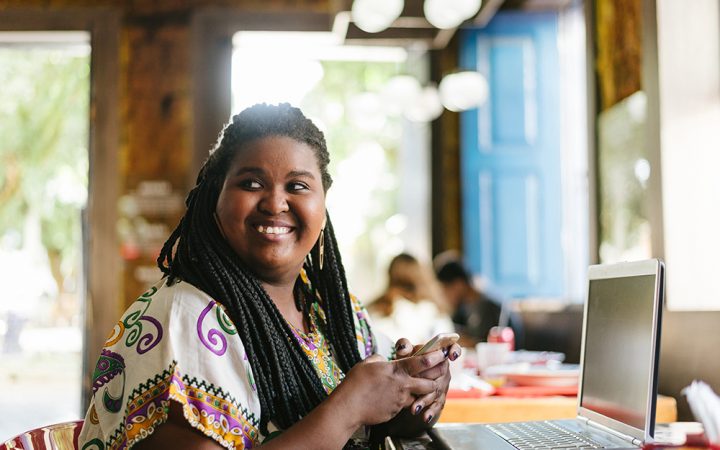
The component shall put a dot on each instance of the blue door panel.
(510, 156)
(506, 78)
(513, 239)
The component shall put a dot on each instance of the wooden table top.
(514, 409)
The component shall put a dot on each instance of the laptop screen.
(619, 349)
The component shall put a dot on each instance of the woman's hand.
(430, 405)
(376, 390)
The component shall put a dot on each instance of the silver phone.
(441, 340)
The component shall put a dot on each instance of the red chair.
(60, 436)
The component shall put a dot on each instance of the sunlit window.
(379, 160)
(623, 173)
(43, 190)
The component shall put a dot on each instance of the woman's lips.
(277, 230)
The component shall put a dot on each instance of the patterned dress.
(177, 343)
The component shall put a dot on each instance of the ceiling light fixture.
(450, 13)
(464, 90)
(374, 16)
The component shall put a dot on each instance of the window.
(43, 190)
(379, 161)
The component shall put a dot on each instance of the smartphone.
(441, 340)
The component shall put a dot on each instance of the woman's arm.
(374, 391)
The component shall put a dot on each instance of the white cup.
(491, 354)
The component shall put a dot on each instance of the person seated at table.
(251, 338)
(474, 312)
(412, 305)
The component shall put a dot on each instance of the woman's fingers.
(421, 387)
(403, 348)
(431, 404)
(415, 365)
(434, 410)
(436, 372)
(454, 352)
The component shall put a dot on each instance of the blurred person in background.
(412, 305)
(474, 313)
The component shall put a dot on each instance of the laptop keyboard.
(542, 435)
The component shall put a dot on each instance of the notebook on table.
(618, 377)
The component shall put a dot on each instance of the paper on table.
(705, 406)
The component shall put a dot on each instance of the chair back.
(60, 436)
(548, 325)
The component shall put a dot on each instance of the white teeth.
(273, 230)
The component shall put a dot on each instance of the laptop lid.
(620, 348)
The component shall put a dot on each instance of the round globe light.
(373, 16)
(399, 93)
(450, 13)
(463, 90)
(468, 8)
(426, 107)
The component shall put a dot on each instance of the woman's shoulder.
(164, 296)
(174, 303)
(172, 323)
(174, 343)
(178, 293)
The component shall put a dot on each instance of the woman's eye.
(297, 186)
(250, 184)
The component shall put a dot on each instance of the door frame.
(102, 265)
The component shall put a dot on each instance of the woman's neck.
(283, 296)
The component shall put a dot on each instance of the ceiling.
(412, 29)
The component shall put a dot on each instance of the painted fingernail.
(456, 355)
(429, 419)
(400, 346)
(445, 352)
(417, 409)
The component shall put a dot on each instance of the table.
(514, 409)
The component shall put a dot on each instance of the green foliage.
(43, 150)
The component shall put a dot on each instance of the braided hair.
(287, 384)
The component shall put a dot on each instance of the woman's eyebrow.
(249, 169)
(300, 173)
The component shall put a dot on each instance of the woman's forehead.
(274, 151)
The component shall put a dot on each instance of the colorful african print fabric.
(175, 343)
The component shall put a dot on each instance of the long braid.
(332, 282)
(287, 384)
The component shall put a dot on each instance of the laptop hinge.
(624, 437)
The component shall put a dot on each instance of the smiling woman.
(272, 206)
(252, 337)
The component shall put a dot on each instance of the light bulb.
(426, 107)
(373, 16)
(463, 90)
(450, 13)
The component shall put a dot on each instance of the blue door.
(510, 156)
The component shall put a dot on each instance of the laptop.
(619, 366)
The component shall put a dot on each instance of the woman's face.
(272, 206)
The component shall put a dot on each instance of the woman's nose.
(274, 202)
